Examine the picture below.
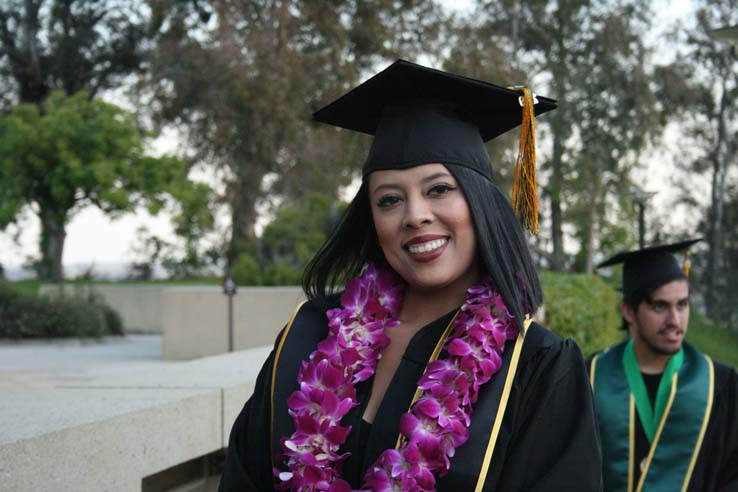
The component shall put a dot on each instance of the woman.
(422, 374)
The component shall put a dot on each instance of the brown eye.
(387, 201)
(441, 189)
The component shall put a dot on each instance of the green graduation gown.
(713, 467)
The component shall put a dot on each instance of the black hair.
(501, 246)
(352, 243)
(633, 299)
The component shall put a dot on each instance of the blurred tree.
(617, 115)
(243, 77)
(69, 152)
(71, 45)
(74, 46)
(712, 132)
(727, 309)
(288, 243)
(591, 56)
(473, 55)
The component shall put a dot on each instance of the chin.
(434, 282)
(668, 349)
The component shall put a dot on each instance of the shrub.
(24, 316)
(582, 307)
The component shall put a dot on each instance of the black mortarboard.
(647, 269)
(419, 115)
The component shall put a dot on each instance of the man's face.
(660, 323)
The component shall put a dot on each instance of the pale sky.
(95, 240)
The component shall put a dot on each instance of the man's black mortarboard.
(647, 269)
(419, 115)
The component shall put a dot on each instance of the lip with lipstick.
(427, 247)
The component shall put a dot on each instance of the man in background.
(668, 414)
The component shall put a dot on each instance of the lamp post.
(229, 289)
(640, 197)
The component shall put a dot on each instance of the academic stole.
(677, 434)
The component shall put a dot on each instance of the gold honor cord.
(274, 375)
(705, 421)
(434, 356)
(501, 409)
(631, 441)
(592, 370)
(657, 436)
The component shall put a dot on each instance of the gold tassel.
(687, 263)
(524, 191)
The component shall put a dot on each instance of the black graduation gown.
(548, 440)
(716, 469)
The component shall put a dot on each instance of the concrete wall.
(195, 318)
(137, 304)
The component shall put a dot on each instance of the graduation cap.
(419, 115)
(647, 269)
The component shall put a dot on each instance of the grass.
(26, 287)
(711, 338)
(31, 287)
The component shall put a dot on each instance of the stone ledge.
(110, 430)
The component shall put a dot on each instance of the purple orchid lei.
(437, 422)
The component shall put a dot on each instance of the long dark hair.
(501, 246)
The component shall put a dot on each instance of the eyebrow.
(664, 301)
(426, 179)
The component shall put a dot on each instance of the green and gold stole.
(675, 427)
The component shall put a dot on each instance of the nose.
(672, 316)
(418, 212)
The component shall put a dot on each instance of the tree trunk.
(243, 217)
(26, 67)
(558, 258)
(53, 235)
(725, 152)
(559, 132)
(589, 244)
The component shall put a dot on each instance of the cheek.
(383, 226)
(462, 223)
(651, 320)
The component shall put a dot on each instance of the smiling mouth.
(427, 247)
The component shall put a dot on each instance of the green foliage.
(288, 243)
(26, 316)
(27, 287)
(582, 307)
(708, 143)
(72, 151)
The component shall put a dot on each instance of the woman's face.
(424, 226)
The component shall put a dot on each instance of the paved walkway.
(39, 364)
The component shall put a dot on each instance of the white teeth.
(429, 246)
